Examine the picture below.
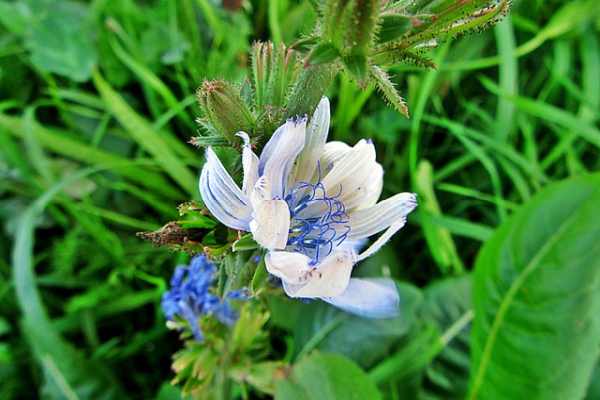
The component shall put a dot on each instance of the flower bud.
(274, 69)
(360, 37)
(364, 23)
(225, 109)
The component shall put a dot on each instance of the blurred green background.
(90, 92)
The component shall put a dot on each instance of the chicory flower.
(312, 204)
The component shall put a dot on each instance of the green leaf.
(143, 133)
(60, 143)
(447, 303)
(4, 326)
(413, 355)
(326, 377)
(168, 392)
(323, 53)
(260, 277)
(197, 221)
(68, 375)
(439, 240)
(387, 88)
(550, 113)
(363, 25)
(393, 26)
(364, 340)
(536, 332)
(61, 42)
(15, 17)
(357, 65)
(246, 242)
(593, 392)
(261, 375)
(208, 140)
(437, 347)
(311, 85)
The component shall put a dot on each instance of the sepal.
(387, 88)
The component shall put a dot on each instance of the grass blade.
(141, 131)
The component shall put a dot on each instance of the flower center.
(319, 223)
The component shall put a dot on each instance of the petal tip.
(244, 136)
(297, 120)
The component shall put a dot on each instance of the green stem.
(311, 86)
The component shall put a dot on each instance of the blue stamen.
(316, 235)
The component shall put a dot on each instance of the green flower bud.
(274, 69)
(365, 17)
(225, 109)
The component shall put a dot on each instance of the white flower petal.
(316, 136)
(250, 164)
(271, 223)
(363, 191)
(374, 190)
(350, 162)
(279, 154)
(369, 221)
(369, 297)
(383, 239)
(328, 279)
(291, 267)
(349, 176)
(222, 196)
(332, 152)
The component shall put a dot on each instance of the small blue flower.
(190, 296)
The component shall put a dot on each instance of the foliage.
(535, 283)
(497, 270)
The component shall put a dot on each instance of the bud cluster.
(359, 37)
(365, 36)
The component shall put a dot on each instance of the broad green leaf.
(61, 42)
(364, 340)
(326, 377)
(593, 392)
(15, 17)
(536, 332)
(447, 303)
